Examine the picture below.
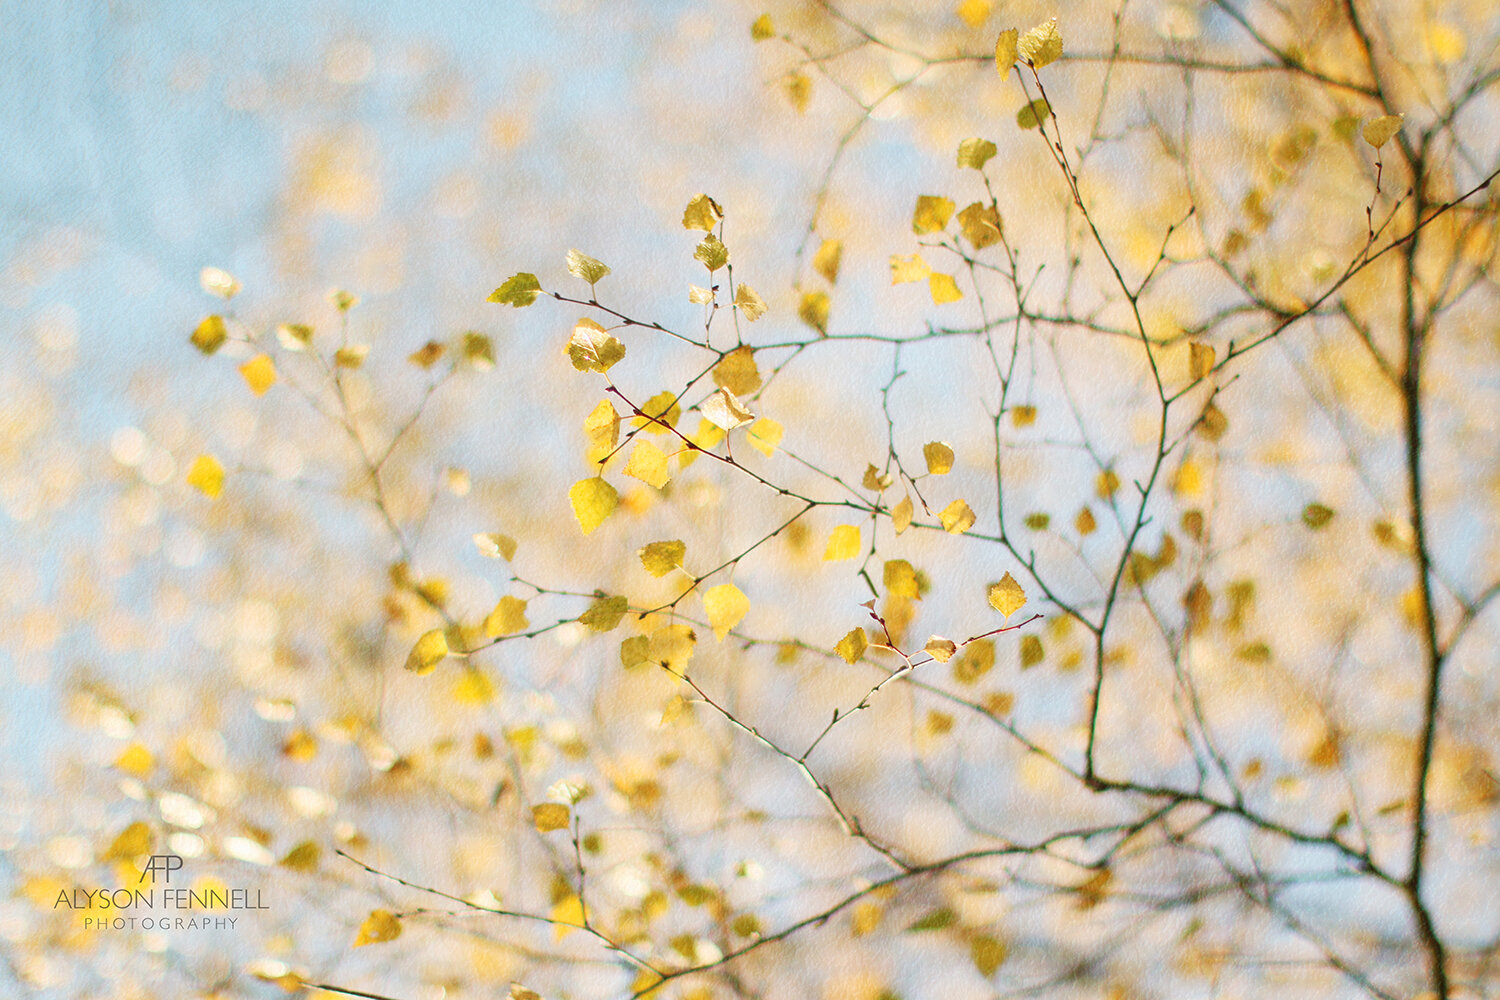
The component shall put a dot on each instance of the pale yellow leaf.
(700, 296)
(428, 652)
(648, 463)
(711, 253)
(1200, 360)
(900, 579)
(259, 373)
(601, 429)
(351, 356)
(764, 436)
(956, 518)
(939, 456)
(508, 618)
(380, 926)
(737, 372)
(980, 225)
(1379, 131)
(974, 12)
(135, 760)
(901, 514)
(752, 306)
(593, 500)
(975, 153)
(1007, 597)
(908, 269)
(843, 543)
(813, 310)
(660, 413)
(216, 281)
(762, 28)
(210, 334)
(660, 558)
(592, 349)
(1041, 45)
(724, 409)
(943, 289)
(586, 267)
(826, 260)
(566, 915)
(852, 646)
(940, 649)
(206, 476)
(495, 545)
(551, 816)
(1005, 50)
(702, 213)
(931, 214)
(605, 613)
(726, 606)
(294, 336)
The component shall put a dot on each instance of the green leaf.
(1033, 114)
(519, 290)
(933, 920)
(975, 153)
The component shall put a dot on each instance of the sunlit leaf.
(1200, 360)
(900, 579)
(711, 253)
(351, 356)
(750, 305)
(975, 153)
(605, 614)
(206, 476)
(813, 310)
(940, 649)
(1007, 597)
(259, 373)
(508, 618)
(660, 413)
(726, 606)
(843, 543)
(304, 857)
(826, 260)
(1006, 48)
(908, 269)
(592, 349)
(700, 296)
(342, 300)
(428, 652)
(660, 558)
(130, 843)
(939, 457)
(210, 334)
(901, 514)
(380, 926)
(495, 546)
(798, 90)
(1379, 131)
(519, 290)
(974, 12)
(931, 214)
(702, 213)
(852, 646)
(762, 29)
(294, 336)
(1032, 651)
(1084, 523)
(635, 651)
(549, 816)
(567, 915)
(943, 289)
(427, 355)
(648, 463)
(980, 225)
(956, 518)
(593, 500)
(764, 436)
(1041, 45)
(216, 281)
(135, 760)
(737, 372)
(876, 480)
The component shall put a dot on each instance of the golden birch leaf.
(1006, 49)
(908, 269)
(1200, 360)
(975, 153)
(294, 337)
(1041, 45)
(980, 225)
(1007, 597)
(585, 267)
(551, 816)
(1033, 114)
(592, 349)
(567, 915)
(957, 517)
(737, 372)
(974, 12)
(762, 28)
(1085, 523)
(351, 356)
(660, 413)
(135, 760)
(900, 579)
(648, 463)
(672, 646)
(473, 687)
(508, 618)
(940, 649)
(132, 842)
(519, 290)
(303, 857)
(206, 476)
(752, 306)
(876, 480)
(478, 351)
(429, 651)
(1379, 131)
(943, 289)
(931, 214)
(939, 456)
(764, 436)
(977, 660)
(380, 926)
(1032, 652)
(210, 334)
(988, 954)
(259, 373)
(601, 429)
(427, 355)
(726, 606)
(1106, 483)
(217, 281)
(813, 310)
(661, 558)
(495, 546)
(826, 261)
(707, 437)
(724, 409)
(711, 253)
(605, 614)
(799, 91)
(635, 651)
(843, 543)
(700, 296)
(593, 500)
(852, 646)
(1316, 515)
(901, 514)
(519, 992)
(1023, 416)
(702, 213)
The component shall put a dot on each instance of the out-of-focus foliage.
(1074, 571)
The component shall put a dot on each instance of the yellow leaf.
(635, 651)
(303, 857)
(901, 514)
(567, 915)
(724, 409)
(799, 91)
(648, 463)
(876, 480)
(726, 606)
(852, 646)
(764, 436)
(672, 646)
(210, 334)
(1379, 131)
(132, 842)
(474, 687)
(478, 351)
(379, 926)
(702, 213)
(1007, 597)
(342, 300)
(427, 355)
(940, 649)
(826, 260)
(1200, 360)
(957, 517)
(428, 652)
(592, 349)
(259, 373)
(939, 456)
(813, 310)
(216, 281)
(981, 225)
(1041, 45)
(988, 954)
(551, 816)
(843, 543)
(1446, 42)
(977, 660)
(761, 28)
(605, 613)
(520, 290)
(601, 428)
(1023, 416)
(1084, 523)
(136, 760)
(865, 918)
(1106, 484)
(1187, 481)
(700, 296)
(294, 336)
(1005, 50)
(712, 253)
(737, 372)
(943, 289)
(707, 437)
(660, 413)
(975, 153)
(351, 356)
(931, 214)
(206, 476)
(908, 269)
(508, 618)
(593, 500)
(974, 12)
(586, 267)
(495, 546)
(751, 305)
(1032, 652)
(900, 579)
